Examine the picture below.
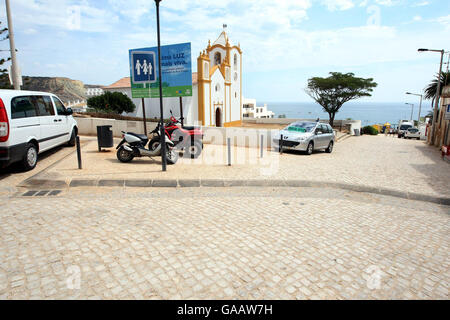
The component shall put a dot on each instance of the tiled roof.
(126, 83)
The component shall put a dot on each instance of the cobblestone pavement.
(201, 243)
(379, 162)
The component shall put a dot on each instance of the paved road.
(255, 243)
(377, 162)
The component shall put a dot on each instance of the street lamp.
(412, 109)
(14, 67)
(420, 104)
(436, 102)
(161, 109)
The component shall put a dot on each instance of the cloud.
(334, 5)
(444, 21)
(62, 14)
(421, 4)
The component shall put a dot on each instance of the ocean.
(368, 112)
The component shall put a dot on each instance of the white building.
(251, 110)
(216, 89)
(92, 91)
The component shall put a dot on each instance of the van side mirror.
(69, 111)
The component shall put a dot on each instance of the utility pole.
(14, 68)
(438, 94)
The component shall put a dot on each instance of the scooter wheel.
(124, 155)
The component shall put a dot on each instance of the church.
(216, 89)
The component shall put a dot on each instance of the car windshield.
(405, 126)
(301, 126)
(413, 130)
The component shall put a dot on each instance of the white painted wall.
(152, 109)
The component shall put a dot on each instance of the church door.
(218, 118)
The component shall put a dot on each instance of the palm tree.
(430, 90)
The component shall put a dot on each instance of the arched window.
(217, 58)
(235, 60)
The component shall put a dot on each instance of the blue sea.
(368, 112)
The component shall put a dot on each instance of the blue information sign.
(175, 68)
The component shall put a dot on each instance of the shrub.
(370, 130)
(112, 102)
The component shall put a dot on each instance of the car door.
(25, 124)
(318, 142)
(48, 121)
(62, 121)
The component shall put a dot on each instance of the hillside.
(65, 88)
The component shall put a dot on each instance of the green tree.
(114, 102)
(430, 90)
(4, 78)
(332, 92)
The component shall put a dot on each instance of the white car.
(31, 123)
(412, 133)
(306, 136)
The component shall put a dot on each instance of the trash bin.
(104, 137)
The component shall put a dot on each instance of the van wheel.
(72, 140)
(30, 158)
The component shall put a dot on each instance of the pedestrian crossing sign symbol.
(143, 65)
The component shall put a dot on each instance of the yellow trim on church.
(236, 123)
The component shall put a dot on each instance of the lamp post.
(420, 104)
(438, 93)
(12, 46)
(412, 109)
(161, 109)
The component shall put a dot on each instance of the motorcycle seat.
(190, 128)
(140, 136)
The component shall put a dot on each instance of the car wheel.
(73, 138)
(330, 147)
(310, 148)
(30, 158)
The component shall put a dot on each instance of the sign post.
(147, 67)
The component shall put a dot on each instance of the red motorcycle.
(189, 140)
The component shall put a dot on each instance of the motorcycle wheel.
(194, 150)
(124, 155)
(153, 144)
(171, 156)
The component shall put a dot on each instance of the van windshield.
(405, 126)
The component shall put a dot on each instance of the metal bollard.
(229, 151)
(262, 145)
(80, 166)
(281, 144)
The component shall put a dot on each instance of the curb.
(220, 183)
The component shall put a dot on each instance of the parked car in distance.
(30, 123)
(306, 136)
(403, 127)
(412, 133)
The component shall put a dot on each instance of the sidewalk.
(382, 165)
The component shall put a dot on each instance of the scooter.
(186, 139)
(133, 145)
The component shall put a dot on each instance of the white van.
(31, 123)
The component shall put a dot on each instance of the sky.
(284, 42)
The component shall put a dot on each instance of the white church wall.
(236, 86)
(206, 96)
